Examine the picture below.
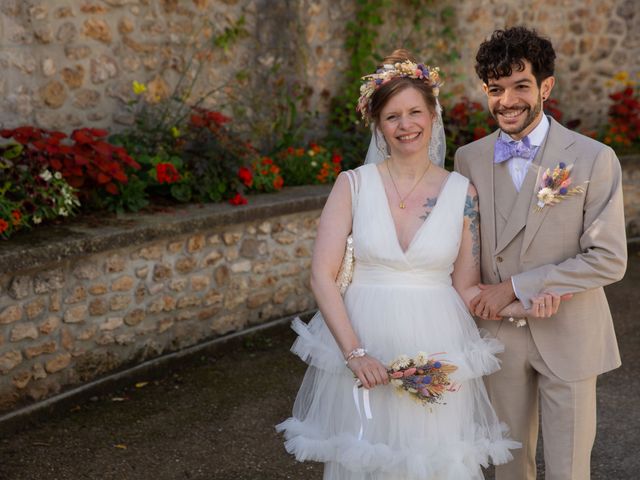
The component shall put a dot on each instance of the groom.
(564, 233)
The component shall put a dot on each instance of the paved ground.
(212, 417)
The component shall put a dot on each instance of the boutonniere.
(555, 186)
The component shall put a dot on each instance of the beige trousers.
(525, 386)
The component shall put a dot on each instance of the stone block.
(119, 302)
(86, 99)
(97, 29)
(195, 243)
(134, 317)
(151, 252)
(66, 339)
(161, 272)
(175, 247)
(49, 325)
(252, 248)
(60, 362)
(213, 297)
(55, 302)
(142, 272)
(231, 238)
(211, 258)
(38, 372)
(53, 94)
(87, 333)
(76, 314)
(11, 314)
(21, 379)
(115, 263)
(19, 287)
(73, 77)
(48, 281)
(178, 285)
(241, 267)
(98, 306)
(67, 32)
(98, 289)
(189, 301)
(9, 361)
(200, 282)
(185, 264)
(23, 331)
(257, 299)
(122, 284)
(34, 308)
(86, 271)
(40, 349)
(77, 52)
(76, 295)
(111, 324)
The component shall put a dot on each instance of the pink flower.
(409, 371)
(397, 375)
(566, 183)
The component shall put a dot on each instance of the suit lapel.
(485, 185)
(556, 150)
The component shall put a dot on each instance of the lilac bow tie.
(504, 150)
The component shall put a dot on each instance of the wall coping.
(90, 234)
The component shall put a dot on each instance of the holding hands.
(499, 300)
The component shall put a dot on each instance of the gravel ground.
(212, 416)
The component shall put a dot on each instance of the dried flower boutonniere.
(555, 186)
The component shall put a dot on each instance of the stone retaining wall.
(92, 296)
(69, 321)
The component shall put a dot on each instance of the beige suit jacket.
(576, 246)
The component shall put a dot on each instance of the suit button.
(499, 259)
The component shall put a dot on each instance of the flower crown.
(406, 69)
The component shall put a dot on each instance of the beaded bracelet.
(355, 353)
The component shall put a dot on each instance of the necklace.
(402, 199)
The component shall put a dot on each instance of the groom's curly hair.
(506, 50)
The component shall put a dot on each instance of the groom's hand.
(492, 299)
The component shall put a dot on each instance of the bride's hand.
(369, 371)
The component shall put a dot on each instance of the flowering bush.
(622, 132)
(313, 165)
(466, 122)
(86, 161)
(265, 176)
(30, 195)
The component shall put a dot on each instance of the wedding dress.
(399, 302)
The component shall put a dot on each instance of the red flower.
(479, 132)
(246, 176)
(238, 200)
(167, 173)
(17, 216)
(290, 150)
(267, 161)
(278, 182)
(3, 225)
(336, 158)
(217, 118)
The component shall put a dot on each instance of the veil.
(378, 149)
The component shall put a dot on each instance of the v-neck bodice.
(434, 246)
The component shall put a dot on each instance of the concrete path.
(211, 417)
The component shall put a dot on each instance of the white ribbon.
(365, 403)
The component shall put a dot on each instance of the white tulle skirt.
(403, 439)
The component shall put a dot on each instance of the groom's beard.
(532, 114)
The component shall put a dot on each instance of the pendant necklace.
(403, 205)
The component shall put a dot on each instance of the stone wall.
(71, 62)
(153, 285)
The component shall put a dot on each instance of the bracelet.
(355, 353)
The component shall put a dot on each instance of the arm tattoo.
(431, 202)
(471, 212)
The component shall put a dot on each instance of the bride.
(415, 231)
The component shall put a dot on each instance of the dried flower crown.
(406, 69)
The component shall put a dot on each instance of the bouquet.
(424, 378)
